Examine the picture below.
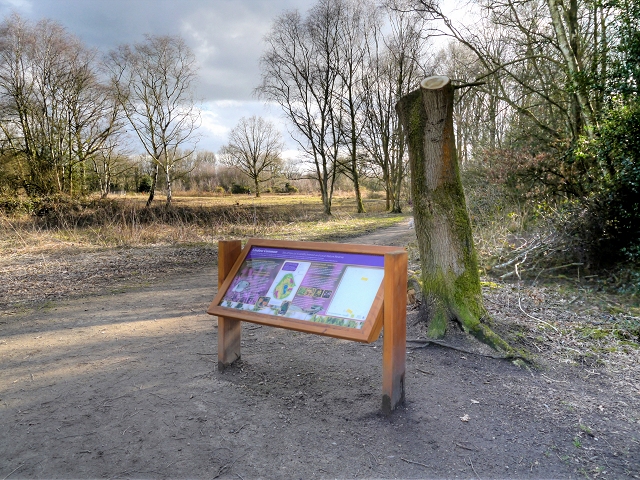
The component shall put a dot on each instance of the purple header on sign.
(290, 267)
(317, 256)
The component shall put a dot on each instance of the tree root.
(470, 321)
(514, 356)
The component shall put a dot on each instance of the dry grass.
(124, 222)
(73, 248)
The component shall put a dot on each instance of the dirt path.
(124, 384)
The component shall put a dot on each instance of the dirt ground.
(109, 370)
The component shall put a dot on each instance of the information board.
(305, 286)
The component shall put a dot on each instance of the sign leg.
(229, 330)
(395, 330)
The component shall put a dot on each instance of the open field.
(123, 221)
(74, 248)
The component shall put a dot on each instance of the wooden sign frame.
(387, 310)
(371, 326)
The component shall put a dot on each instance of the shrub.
(238, 189)
(610, 218)
(290, 188)
(287, 188)
(588, 193)
(145, 183)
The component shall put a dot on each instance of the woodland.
(545, 118)
(110, 214)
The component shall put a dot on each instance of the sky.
(226, 37)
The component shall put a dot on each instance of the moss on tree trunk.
(450, 279)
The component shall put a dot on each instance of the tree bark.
(356, 186)
(154, 181)
(167, 173)
(450, 279)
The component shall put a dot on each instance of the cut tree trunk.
(450, 279)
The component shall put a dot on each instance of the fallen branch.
(14, 471)
(414, 463)
(474, 470)
(552, 380)
(226, 467)
(466, 448)
(556, 268)
(532, 317)
(425, 372)
(238, 430)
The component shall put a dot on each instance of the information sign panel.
(305, 286)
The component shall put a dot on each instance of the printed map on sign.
(324, 287)
(287, 281)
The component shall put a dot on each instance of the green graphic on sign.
(284, 287)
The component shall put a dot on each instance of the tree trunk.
(396, 171)
(106, 187)
(387, 189)
(356, 186)
(167, 174)
(573, 62)
(450, 280)
(154, 181)
(397, 190)
(326, 201)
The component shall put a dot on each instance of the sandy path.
(125, 385)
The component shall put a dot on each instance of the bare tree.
(154, 81)
(95, 122)
(55, 112)
(110, 163)
(357, 23)
(255, 146)
(299, 73)
(549, 55)
(395, 66)
(200, 171)
(479, 116)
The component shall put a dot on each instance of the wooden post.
(395, 330)
(229, 330)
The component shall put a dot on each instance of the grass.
(124, 222)
(600, 327)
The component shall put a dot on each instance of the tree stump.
(450, 280)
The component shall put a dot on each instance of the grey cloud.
(225, 35)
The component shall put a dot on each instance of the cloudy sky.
(225, 35)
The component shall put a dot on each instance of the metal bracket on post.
(229, 330)
(394, 330)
